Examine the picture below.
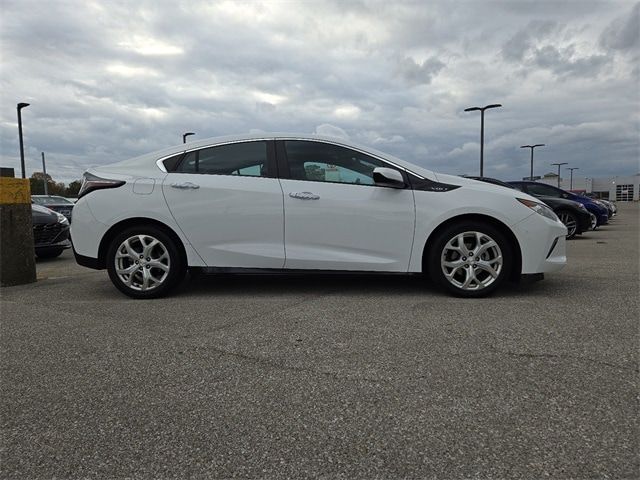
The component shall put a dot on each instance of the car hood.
(43, 215)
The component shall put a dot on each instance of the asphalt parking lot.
(335, 377)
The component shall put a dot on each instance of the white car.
(307, 203)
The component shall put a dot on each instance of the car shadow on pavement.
(365, 284)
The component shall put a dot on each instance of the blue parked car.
(542, 189)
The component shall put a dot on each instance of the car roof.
(213, 141)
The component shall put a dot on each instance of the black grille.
(44, 234)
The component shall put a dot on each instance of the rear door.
(336, 217)
(228, 202)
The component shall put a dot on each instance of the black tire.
(175, 264)
(49, 252)
(436, 255)
(570, 221)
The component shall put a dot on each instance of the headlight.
(582, 207)
(540, 208)
(62, 219)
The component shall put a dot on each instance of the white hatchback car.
(278, 202)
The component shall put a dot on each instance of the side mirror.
(388, 177)
(565, 195)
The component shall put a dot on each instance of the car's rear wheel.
(470, 259)
(570, 221)
(144, 262)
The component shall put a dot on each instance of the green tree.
(37, 185)
(73, 188)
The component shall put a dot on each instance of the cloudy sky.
(109, 80)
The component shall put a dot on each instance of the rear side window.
(244, 159)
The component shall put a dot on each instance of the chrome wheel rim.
(142, 263)
(471, 260)
(594, 222)
(569, 222)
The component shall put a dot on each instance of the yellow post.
(17, 256)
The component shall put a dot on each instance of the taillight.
(91, 182)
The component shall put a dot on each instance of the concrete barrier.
(17, 256)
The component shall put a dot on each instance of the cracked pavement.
(328, 376)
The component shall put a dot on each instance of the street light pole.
(571, 169)
(185, 135)
(532, 147)
(559, 165)
(44, 171)
(19, 108)
(482, 109)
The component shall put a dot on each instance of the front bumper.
(542, 244)
(584, 222)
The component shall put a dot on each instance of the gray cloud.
(112, 80)
(623, 33)
(416, 73)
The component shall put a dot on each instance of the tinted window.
(323, 162)
(247, 159)
(541, 189)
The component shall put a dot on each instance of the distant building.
(618, 188)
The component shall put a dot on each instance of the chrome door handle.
(304, 195)
(185, 185)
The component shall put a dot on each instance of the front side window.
(244, 159)
(324, 162)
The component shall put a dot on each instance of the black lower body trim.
(88, 262)
(531, 277)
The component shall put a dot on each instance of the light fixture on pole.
(571, 169)
(185, 135)
(19, 108)
(482, 109)
(559, 165)
(532, 147)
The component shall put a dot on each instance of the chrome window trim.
(306, 139)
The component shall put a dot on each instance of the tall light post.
(559, 165)
(571, 169)
(482, 109)
(44, 172)
(185, 135)
(19, 108)
(532, 147)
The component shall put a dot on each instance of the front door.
(336, 218)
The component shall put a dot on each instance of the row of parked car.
(579, 213)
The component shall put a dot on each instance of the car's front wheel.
(470, 259)
(144, 262)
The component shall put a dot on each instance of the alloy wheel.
(569, 222)
(142, 262)
(471, 260)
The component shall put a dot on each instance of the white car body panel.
(349, 227)
(252, 222)
(231, 221)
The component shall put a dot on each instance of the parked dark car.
(611, 206)
(50, 232)
(538, 189)
(574, 215)
(55, 203)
